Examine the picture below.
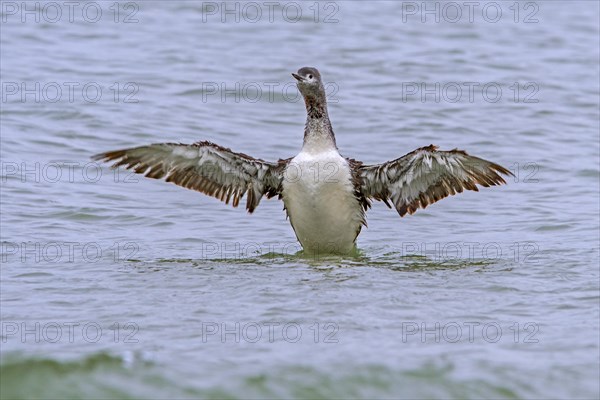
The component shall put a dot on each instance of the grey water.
(117, 286)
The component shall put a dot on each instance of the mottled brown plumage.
(425, 176)
(205, 167)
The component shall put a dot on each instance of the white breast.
(319, 198)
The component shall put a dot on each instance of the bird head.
(309, 82)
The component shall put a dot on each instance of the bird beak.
(298, 77)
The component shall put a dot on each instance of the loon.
(325, 194)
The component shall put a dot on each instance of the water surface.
(116, 286)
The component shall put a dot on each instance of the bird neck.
(318, 133)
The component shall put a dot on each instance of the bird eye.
(309, 76)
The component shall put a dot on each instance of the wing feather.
(425, 176)
(205, 167)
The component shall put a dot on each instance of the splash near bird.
(325, 195)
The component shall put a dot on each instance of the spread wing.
(206, 167)
(425, 176)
